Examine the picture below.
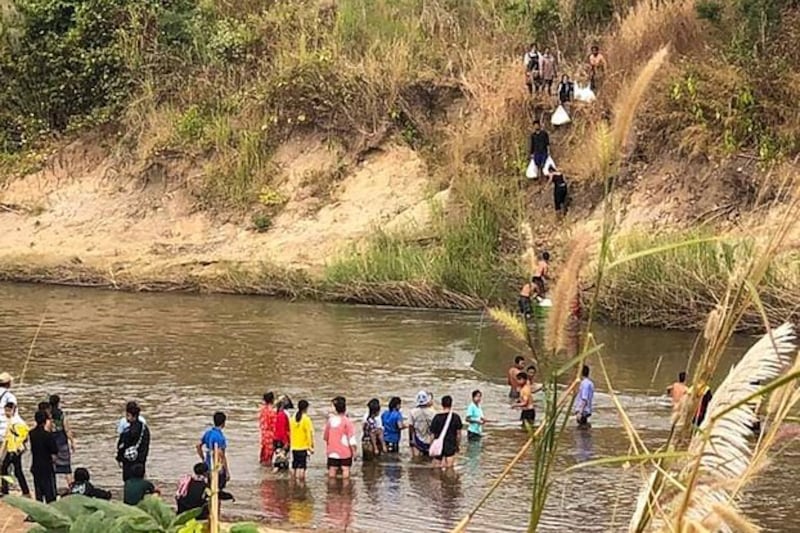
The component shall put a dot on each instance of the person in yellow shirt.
(301, 438)
(13, 448)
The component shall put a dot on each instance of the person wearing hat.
(419, 424)
(6, 396)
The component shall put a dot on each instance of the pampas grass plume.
(565, 293)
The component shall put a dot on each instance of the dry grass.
(565, 293)
(510, 322)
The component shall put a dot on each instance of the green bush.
(710, 10)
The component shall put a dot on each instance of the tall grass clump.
(680, 286)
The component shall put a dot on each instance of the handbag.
(437, 446)
(131, 453)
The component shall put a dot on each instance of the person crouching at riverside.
(340, 439)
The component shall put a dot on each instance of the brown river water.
(185, 356)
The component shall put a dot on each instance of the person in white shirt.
(6, 396)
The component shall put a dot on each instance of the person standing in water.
(447, 424)
(372, 443)
(516, 368)
(583, 403)
(281, 453)
(63, 437)
(340, 439)
(267, 419)
(43, 456)
(525, 402)
(301, 440)
(419, 426)
(214, 439)
(392, 421)
(475, 418)
(678, 390)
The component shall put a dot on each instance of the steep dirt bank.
(85, 218)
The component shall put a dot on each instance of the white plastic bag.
(584, 93)
(532, 172)
(549, 166)
(560, 117)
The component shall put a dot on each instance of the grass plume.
(565, 293)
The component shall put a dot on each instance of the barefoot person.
(583, 403)
(519, 364)
(340, 440)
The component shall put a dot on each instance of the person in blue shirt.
(475, 417)
(392, 420)
(215, 438)
(583, 403)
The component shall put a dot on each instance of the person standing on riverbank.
(583, 403)
(419, 425)
(301, 432)
(84, 487)
(214, 439)
(6, 396)
(133, 444)
(475, 418)
(13, 447)
(541, 273)
(340, 439)
(44, 452)
(392, 421)
(447, 426)
(267, 418)
(63, 438)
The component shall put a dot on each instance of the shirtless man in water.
(540, 274)
(678, 390)
(519, 364)
(527, 389)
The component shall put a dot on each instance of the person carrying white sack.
(539, 150)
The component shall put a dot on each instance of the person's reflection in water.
(301, 505)
(393, 470)
(472, 463)
(339, 503)
(372, 472)
(449, 505)
(275, 497)
(583, 444)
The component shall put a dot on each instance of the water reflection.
(184, 357)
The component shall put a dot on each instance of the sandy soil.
(85, 208)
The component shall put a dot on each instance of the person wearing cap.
(419, 424)
(6, 396)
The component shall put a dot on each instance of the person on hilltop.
(539, 147)
(393, 426)
(64, 438)
(6, 396)
(301, 440)
(516, 368)
(548, 70)
(84, 487)
(43, 456)
(597, 67)
(419, 424)
(583, 402)
(133, 444)
(447, 426)
(531, 62)
(340, 439)
(372, 442)
(12, 448)
(267, 419)
(214, 439)
(678, 390)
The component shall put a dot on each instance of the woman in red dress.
(266, 421)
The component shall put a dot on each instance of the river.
(185, 356)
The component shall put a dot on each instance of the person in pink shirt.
(340, 439)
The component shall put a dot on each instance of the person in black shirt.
(452, 435)
(43, 455)
(134, 442)
(539, 146)
(82, 486)
(192, 491)
(560, 190)
(566, 90)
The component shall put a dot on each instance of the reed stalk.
(30, 349)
